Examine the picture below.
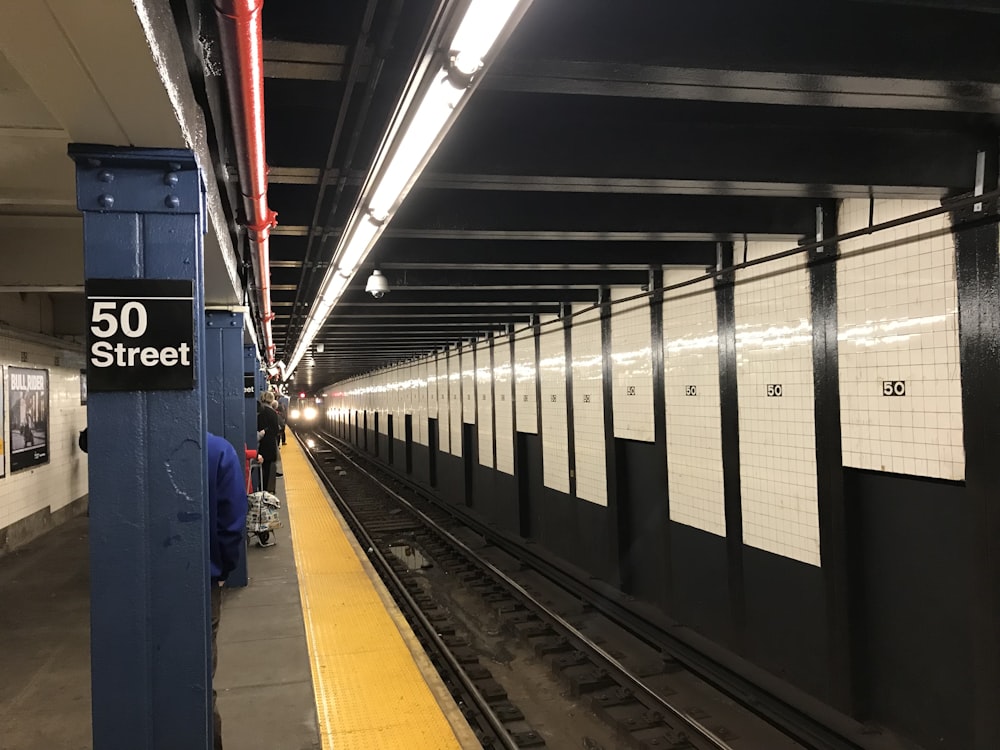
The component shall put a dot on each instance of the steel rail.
(636, 685)
(496, 724)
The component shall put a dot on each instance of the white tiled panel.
(632, 366)
(64, 478)
(484, 403)
(420, 411)
(432, 387)
(588, 408)
(552, 374)
(503, 404)
(468, 384)
(455, 401)
(777, 433)
(898, 323)
(444, 404)
(524, 382)
(694, 417)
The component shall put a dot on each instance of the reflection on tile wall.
(420, 411)
(632, 367)
(64, 478)
(484, 403)
(694, 417)
(552, 374)
(455, 402)
(443, 404)
(588, 408)
(468, 384)
(503, 404)
(777, 417)
(524, 382)
(432, 387)
(900, 378)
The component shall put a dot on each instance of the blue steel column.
(143, 215)
(224, 387)
(251, 368)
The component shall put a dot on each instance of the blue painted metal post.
(149, 578)
(224, 385)
(251, 370)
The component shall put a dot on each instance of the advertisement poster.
(28, 401)
(3, 457)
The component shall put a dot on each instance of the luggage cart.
(262, 511)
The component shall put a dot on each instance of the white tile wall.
(632, 367)
(484, 404)
(444, 404)
(503, 403)
(552, 372)
(468, 384)
(420, 412)
(432, 387)
(694, 416)
(64, 478)
(524, 382)
(455, 401)
(777, 434)
(588, 408)
(898, 321)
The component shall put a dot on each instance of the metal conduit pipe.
(243, 59)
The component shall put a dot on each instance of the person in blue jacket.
(227, 508)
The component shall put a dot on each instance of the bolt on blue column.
(224, 386)
(143, 215)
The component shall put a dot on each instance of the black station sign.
(140, 335)
(249, 385)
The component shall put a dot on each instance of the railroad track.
(406, 537)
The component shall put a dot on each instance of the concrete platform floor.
(264, 683)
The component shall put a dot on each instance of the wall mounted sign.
(249, 385)
(29, 417)
(3, 455)
(140, 335)
(893, 387)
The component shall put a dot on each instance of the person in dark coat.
(270, 426)
(227, 513)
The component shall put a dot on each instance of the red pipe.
(243, 58)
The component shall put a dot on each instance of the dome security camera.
(378, 285)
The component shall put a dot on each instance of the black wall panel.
(786, 619)
(505, 510)
(700, 582)
(421, 461)
(530, 464)
(916, 571)
(642, 489)
(594, 554)
(451, 478)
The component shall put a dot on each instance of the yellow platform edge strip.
(374, 685)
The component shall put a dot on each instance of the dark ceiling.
(610, 136)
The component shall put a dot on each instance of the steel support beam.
(149, 560)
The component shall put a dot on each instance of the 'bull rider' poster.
(29, 417)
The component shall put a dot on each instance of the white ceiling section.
(85, 72)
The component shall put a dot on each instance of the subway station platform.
(312, 654)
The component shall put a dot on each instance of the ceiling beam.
(614, 79)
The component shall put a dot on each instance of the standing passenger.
(227, 512)
(267, 420)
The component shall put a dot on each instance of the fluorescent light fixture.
(361, 239)
(428, 122)
(483, 22)
(423, 122)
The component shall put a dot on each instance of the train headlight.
(309, 412)
(295, 414)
